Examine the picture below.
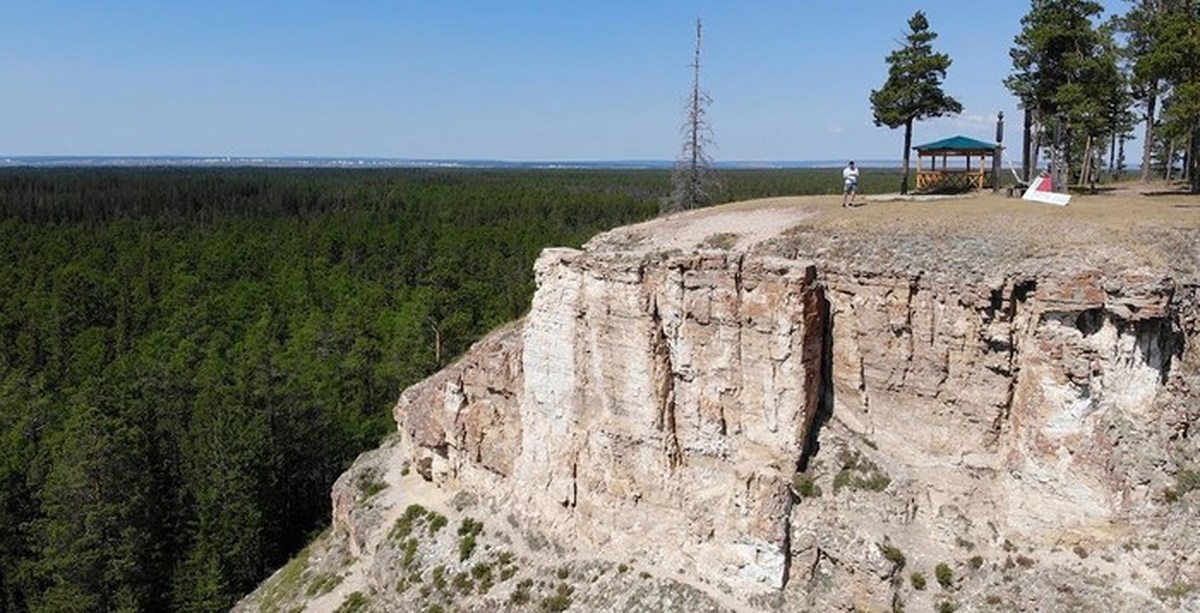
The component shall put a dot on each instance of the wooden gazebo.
(931, 176)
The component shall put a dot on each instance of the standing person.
(850, 184)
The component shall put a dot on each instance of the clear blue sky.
(494, 79)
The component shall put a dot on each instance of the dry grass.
(994, 234)
(983, 234)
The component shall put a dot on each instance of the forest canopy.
(190, 357)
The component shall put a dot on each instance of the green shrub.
(468, 530)
(946, 607)
(520, 595)
(462, 583)
(859, 473)
(355, 602)
(894, 555)
(805, 486)
(437, 521)
(409, 559)
(945, 576)
(466, 547)
(560, 600)
(482, 572)
(404, 525)
(976, 562)
(323, 584)
(918, 581)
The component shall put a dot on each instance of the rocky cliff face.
(778, 426)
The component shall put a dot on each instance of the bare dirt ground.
(1129, 226)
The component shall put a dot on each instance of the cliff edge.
(781, 404)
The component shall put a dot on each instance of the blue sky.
(484, 79)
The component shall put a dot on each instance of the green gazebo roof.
(957, 143)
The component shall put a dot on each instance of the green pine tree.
(913, 90)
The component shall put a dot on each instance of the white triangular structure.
(1042, 190)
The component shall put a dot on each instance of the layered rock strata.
(666, 408)
(915, 406)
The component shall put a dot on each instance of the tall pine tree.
(1062, 72)
(913, 90)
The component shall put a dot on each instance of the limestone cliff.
(780, 407)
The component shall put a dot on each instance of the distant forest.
(189, 358)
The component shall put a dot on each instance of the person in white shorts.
(849, 184)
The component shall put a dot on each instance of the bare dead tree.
(694, 183)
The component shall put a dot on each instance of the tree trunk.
(1148, 146)
(1085, 166)
(1028, 149)
(1120, 159)
(907, 149)
(1170, 165)
(1112, 157)
(1194, 161)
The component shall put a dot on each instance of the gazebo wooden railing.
(931, 177)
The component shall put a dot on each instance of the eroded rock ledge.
(768, 425)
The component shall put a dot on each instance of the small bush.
(894, 555)
(1080, 551)
(439, 578)
(560, 600)
(563, 573)
(721, 240)
(993, 600)
(370, 484)
(466, 547)
(859, 473)
(946, 607)
(468, 530)
(945, 576)
(404, 525)
(976, 562)
(964, 543)
(323, 584)
(1025, 562)
(918, 581)
(437, 521)
(409, 560)
(355, 602)
(805, 486)
(622, 567)
(482, 573)
(462, 583)
(1173, 592)
(521, 595)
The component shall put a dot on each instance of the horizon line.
(302, 161)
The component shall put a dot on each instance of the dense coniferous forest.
(189, 358)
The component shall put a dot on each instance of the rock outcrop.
(780, 427)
